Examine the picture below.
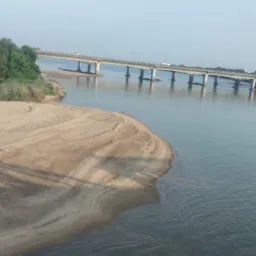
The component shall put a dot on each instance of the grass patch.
(25, 90)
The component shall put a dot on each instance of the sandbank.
(66, 170)
(62, 73)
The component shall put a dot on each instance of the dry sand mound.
(65, 170)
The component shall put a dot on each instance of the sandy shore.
(65, 170)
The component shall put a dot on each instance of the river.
(207, 203)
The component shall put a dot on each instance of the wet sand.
(66, 170)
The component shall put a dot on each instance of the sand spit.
(65, 170)
(65, 73)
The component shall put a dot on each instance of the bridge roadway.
(205, 72)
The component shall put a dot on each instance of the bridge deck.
(146, 65)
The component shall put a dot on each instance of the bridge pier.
(127, 72)
(97, 68)
(236, 87)
(205, 79)
(153, 75)
(191, 79)
(89, 66)
(141, 77)
(173, 76)
(78, 66)
(215, 83)
(237, 83)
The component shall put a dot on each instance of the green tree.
(30, 52)
(17, 62)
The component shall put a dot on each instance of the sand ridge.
(65, 170)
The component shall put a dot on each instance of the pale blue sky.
(193, 32)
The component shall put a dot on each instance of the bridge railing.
(95, 58)
(112, 60)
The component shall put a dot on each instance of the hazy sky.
(193, 32)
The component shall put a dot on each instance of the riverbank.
(58, 92)
(66, 170)
(39, 90)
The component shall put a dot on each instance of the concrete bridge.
(142, 66)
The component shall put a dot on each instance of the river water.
(207, 202)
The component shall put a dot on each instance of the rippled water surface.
(207, 200)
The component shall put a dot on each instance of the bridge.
(142, 66)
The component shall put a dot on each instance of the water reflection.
(95, 82)
(190, 89)
(214, 92)
(140, 85)
(77, 81)
(203, 92)
(151, 87)
(251, 96)
(87, 81)
(172, 85)
(236, 91)
(126, 84)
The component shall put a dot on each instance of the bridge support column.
(253, 84)
(191, 79)
(215, 83)
(153, 75)
(127, 72)
(141, 77)
(237, 83)
(173, 76)
(78, 66)
(89, 68)
(236, 87)
(205, 79)
(97, 68)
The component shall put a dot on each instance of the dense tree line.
(17, 62)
